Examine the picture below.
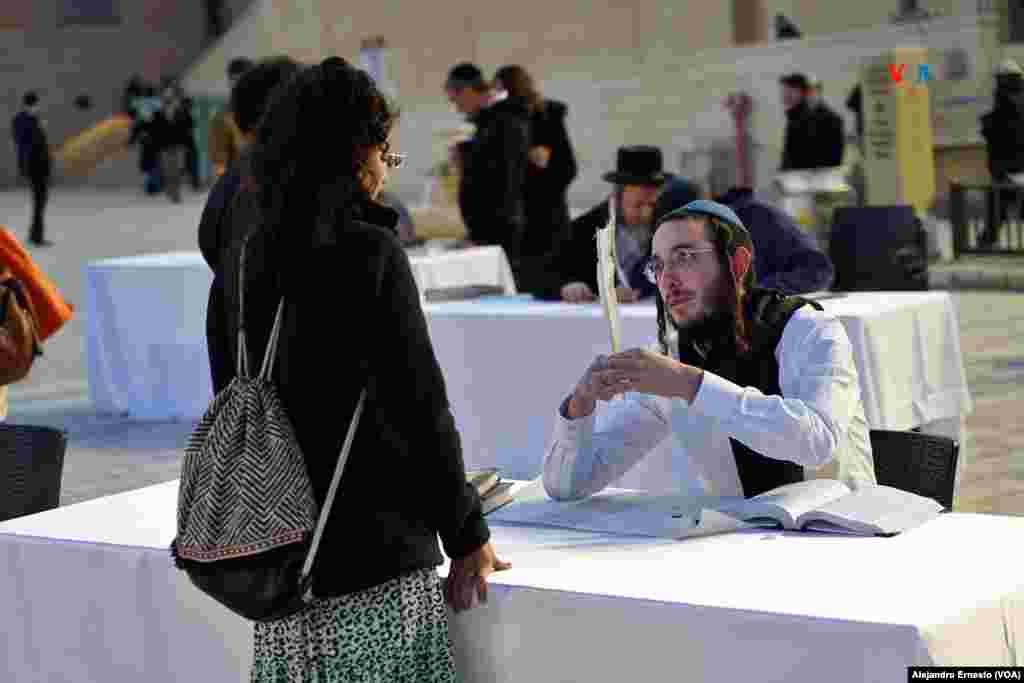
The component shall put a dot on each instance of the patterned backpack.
(246, 509)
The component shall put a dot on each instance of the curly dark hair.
(726, 241)
(310, 146)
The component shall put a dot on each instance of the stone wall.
(154, 38)
(650, 73)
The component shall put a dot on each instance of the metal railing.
(987, 219)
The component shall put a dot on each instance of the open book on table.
(618, 511)
(494, 493)
(831, 506)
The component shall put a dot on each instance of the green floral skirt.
(391, 633)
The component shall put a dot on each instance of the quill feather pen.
(606, 267)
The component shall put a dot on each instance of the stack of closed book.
(494, 493)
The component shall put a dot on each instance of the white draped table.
(146, 325)
(509, 362)
(90, 595)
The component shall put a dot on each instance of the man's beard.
(707, 325)
(718, 321)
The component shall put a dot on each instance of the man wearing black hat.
(571, 272)
(493, 162)
(814, 133)
(755, 386)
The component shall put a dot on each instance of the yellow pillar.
(899, 153)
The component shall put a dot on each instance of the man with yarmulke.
(755, 386)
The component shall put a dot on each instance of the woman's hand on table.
(467, 577)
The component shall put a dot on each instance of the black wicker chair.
(31, 465)
(924, 464)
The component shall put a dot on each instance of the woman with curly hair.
(352, 319)
(552, 166)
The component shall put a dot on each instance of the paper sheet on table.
(617, 511)
(606, 267)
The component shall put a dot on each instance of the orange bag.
(51, 310)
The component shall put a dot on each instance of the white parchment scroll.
(606, 267)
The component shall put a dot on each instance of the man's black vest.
(767, 311)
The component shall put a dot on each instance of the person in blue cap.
(757, 387)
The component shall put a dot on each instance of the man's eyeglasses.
(681, 259)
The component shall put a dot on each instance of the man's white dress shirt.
(818, 423)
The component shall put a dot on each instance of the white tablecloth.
(90, 596)
(146, 335)
(509, 362)
(146, 329)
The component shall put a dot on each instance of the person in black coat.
(494, 162)
(34, 162)
(146, 106)
(570, 273)
(1003, 130)
(815, 136)
(172, 130)
(322, 244)
(552, 164)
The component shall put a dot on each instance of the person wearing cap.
(785, 257)
(571, 270)
(491, 188)
(225, 139)
(1003, 130)
(815, 136)
(756, 387)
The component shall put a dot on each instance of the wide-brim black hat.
(638, 165)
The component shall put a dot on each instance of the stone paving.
(107, 454)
